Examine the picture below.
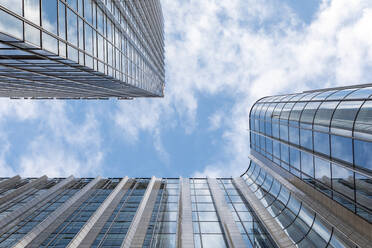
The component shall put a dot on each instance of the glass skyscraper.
(81, 49)
(308, 184)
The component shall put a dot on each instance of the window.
(342, 148)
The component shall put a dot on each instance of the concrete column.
(40, 232)
(185, 233)
(22, 189)
(91, 229)
(272, 226)
(232, 233)
(138, 228)
(11, 217)
(9, 182)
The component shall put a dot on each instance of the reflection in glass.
(322, 171)
(321, 143)
(363, 123)
(342, 148)
(343, 180)
(7, 21)
(344, 116)
(32, 11)
(307, 164)
(363, 154)
(306, 139)
(49, 15)
(213, 241)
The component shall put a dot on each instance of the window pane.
(296, 111)
(307, 164)
(364, 119)
(49, 15)
(72, 27)
(344, 116)
(361, 93)
(306, 139)
(309, 112)
(340, 94)
(342, 148)
(321, 143)
(210, 227)
(295, 158)
(363, 154)
(343, 180)
(13, 5)
(322, 171)
(11, 25)
(324, 113)
(208, 216)
(213, 241)
(32, 11)
(363, 190)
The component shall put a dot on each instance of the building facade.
(317, 146)
(81, 49)
(308, 184)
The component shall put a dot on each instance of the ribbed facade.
(128, 212)
(319, 143)
(81, 49)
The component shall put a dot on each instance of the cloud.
(60, 146)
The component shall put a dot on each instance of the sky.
(221, 56)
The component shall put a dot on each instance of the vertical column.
(47, 226)
(22, 189)
(276, 232)
(232, 233)
(185, 236)
(91, 229)
(9, 182)
(137, 230)
(29, 205)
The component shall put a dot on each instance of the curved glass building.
(81, 49)
(319, 142)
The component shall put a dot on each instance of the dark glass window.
(342, 148)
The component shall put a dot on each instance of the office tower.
(308, 184)
(316, 146)
(127, 212)
(81, 49)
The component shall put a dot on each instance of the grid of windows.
(8, 238)
(206, 224)
(116, 228)
(250, 228)
(163, 225)
(62, 236)
(81, 48)
(322, 137)
(304, 226)
(17, 202)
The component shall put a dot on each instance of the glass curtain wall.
(8, 238)
(322, 137)
(115, 40)
(303, 226)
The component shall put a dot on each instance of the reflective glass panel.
(324, 113)
(361, 93)
(322, 171)
(296, 111)
(343, 180)
(340, 94)
(363, 154)
(342, 148)
(344, 116)
(321, 143)
(307, 164)
(364, 119)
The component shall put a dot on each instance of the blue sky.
(221, 56)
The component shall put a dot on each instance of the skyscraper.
(81, 49)
(308, 184)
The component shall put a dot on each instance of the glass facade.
(164, 228)
(322, 137)
(301, 223)
(81, 48)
